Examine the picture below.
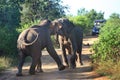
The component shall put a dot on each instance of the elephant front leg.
(80, 58)
(81, 63)
(64, 55)
(21, 62)
(73, 60)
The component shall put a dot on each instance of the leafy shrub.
(25, 26)
(8, 40)
(109, 39)
(106, 51)
(83, 22)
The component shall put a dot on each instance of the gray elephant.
(31, 42)
(75, 34)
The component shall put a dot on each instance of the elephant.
(66, 28)
(31, 42)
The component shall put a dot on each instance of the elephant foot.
(73, 60)
(72, 65)
(31, 72)
(81, 63)
(19, 74)
(62, 67)
(39, 71)
(67, 66)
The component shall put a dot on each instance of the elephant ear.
(64, 23)
(54, 27)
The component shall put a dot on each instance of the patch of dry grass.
(4, 63)
(109, 68)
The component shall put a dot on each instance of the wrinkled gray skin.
(75, 34)
(31, 42)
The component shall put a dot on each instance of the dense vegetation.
(24, 13)
(15, 18)
(18, 15)
(106, 57)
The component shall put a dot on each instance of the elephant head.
(62, 26)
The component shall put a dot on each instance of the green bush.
(108, 47)
(8, 41)
(83, 22)
(106, 51)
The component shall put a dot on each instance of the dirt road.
(50, 68)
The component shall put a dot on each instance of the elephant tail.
(36, 37)
(22, 40)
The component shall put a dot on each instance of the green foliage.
(93, 15)
(106, 51)
(82, 11)
(108, 45)
(85, 19)
(81, 21)
(10, 13)
(8, 40)
(115, 16)
(41, 9)
(25, 26)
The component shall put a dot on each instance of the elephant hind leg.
(73, 61)
(20, 64)
(39, 66)
(35, 61)
(80, 57)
